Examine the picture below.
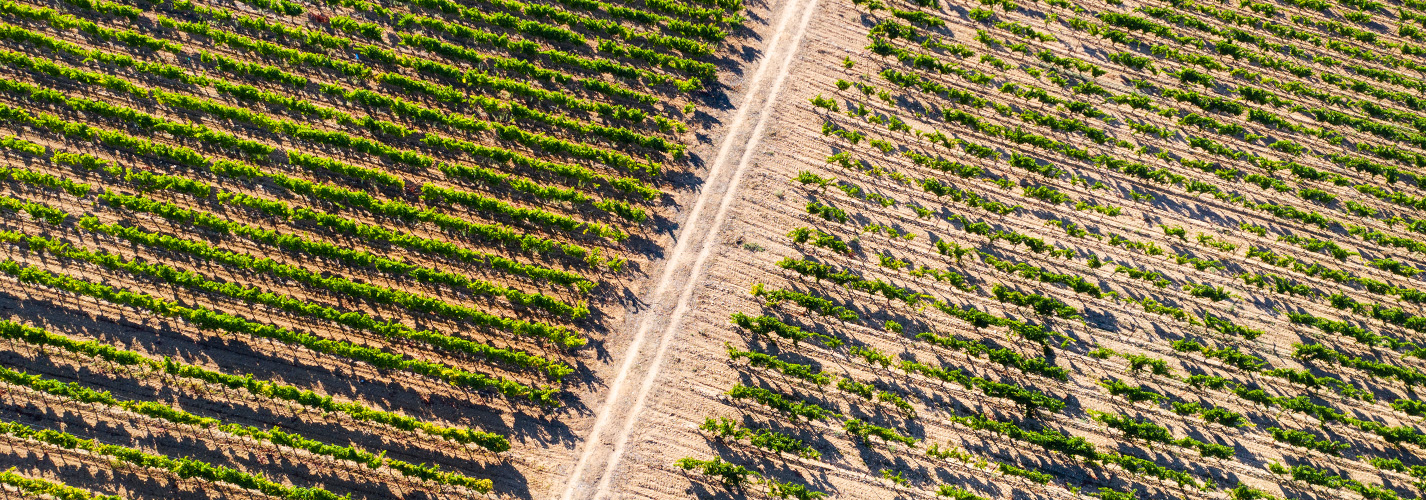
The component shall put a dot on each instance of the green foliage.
(795, 370)
(863, 432)
(1151, 276)
(183, 467)
(41, 487)
(1077, 283)
(848, 279)
(956, 493)
(84, 394)
(1029, 399)
(785, 490)
(1148, 431)
(1055, 441)
(827, 212)
(1317, 352)
(767, 439)
(1393, 464)
(1394, 267)
(1313, 244)
(1035, 476)
(731, 475)
(1048, 306)
(763, 325)
(1137, 363)
(1312, 475)
(1214, 293)
(813, 303)
(16, 331)
(356, 320)
(188, 157)
(1002, 356)
(819, 238)
(1307, 440)
(780, 403)
(207, 319)
(1133, 394)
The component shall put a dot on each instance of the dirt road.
(670, 298)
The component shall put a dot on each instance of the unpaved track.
(621, 408)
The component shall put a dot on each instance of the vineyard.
(1112, 249)
(334, 248)
(1058, 249)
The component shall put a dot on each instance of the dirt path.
(678, 274)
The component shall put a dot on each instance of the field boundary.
(676, 260)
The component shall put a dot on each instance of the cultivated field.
(1064, 250)
(694, 248)
(344, 249)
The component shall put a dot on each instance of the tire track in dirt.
(707, 232)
